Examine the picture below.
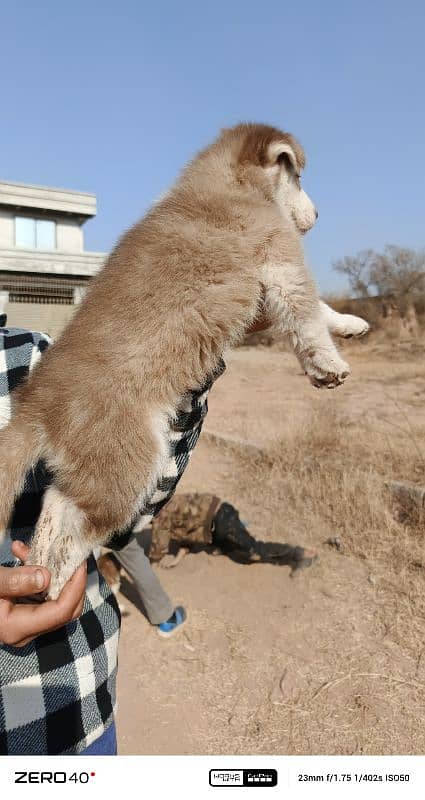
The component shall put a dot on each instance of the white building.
(44, 268)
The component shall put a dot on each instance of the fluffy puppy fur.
(178, 289)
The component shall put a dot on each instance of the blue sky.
(114, 98)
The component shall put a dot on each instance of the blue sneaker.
(174, 624)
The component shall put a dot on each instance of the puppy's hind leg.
(62, 540)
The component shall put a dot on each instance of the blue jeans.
(105, 745)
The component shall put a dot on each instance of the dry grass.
(331, 477)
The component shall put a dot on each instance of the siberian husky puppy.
(221, 248)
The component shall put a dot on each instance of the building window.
(45, 289)
(35, 234)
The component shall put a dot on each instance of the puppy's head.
(274, 160)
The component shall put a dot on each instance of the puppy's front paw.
(324, 368)
(352, 326)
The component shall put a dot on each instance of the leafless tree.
(357, 269)
(398, 272)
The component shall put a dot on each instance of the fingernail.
(39, 579)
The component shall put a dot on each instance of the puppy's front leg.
(293, 305)
(345, 325)
(318, 355)
(60, 542)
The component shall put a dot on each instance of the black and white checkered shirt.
(57, 693)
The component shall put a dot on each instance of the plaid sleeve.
(57, 694)
(19, 352)
(183, 435)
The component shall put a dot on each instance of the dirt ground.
(331, 660)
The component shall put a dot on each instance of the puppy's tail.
(19, 450)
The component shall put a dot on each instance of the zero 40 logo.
(52, 777)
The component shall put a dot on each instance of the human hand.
(20, 623)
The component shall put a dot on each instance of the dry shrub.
(419, 304)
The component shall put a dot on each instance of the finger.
(22, 581)
(79, 610)
(76, 614)
(23, 642)
(74, 589)
(68, 603)
(24, 622)
(20, 550)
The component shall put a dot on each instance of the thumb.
(22, 581)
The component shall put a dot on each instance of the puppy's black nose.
(316, 212)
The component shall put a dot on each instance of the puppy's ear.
(282, 153)
(262, 145)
